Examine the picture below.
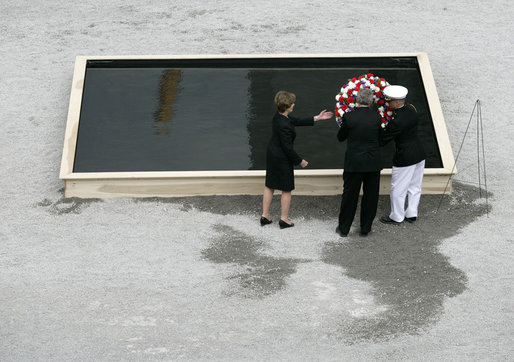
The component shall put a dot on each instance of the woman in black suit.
(281, 156)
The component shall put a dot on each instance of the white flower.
(389, 113)
(383, 125)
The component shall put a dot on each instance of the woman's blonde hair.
(284, 100)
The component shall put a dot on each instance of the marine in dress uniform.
(408, 160)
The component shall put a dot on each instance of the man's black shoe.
(411, 219)
(388, 220)
(341, 234)
(364, 233)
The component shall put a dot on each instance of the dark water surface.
(137, 117)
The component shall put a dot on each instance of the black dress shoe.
(284, 224)
(265, 221)
(411, 219)
(388, 220)
(341, 234)
(364, 233)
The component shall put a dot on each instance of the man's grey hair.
(365, 96)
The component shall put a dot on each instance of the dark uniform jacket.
(403, 128)
(281, 156)
(362, 128)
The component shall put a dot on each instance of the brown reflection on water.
(169, 90)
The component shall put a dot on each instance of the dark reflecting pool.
(202, 115)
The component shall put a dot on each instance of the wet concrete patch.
(409, 277)
(257, 275)
(217, 204)
(405, 268)
(72, 205)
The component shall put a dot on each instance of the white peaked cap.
(395, 92)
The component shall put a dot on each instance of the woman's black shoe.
(265, 221)
(284, 224)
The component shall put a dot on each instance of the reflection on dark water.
(163, 119)
(168, 92)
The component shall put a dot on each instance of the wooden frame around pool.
(250, 182)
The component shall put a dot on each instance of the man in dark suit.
(362, 164)
(408, 160)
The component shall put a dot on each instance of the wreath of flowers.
(347, 98)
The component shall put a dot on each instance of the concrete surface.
(198, 278)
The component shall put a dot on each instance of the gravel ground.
(197, 278)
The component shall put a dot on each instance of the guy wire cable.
(479, 112)
(458, 154)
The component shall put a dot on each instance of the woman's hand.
(304, 163)
(323, 115)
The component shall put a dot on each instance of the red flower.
(348, 95)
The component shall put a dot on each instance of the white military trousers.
(406, 182)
